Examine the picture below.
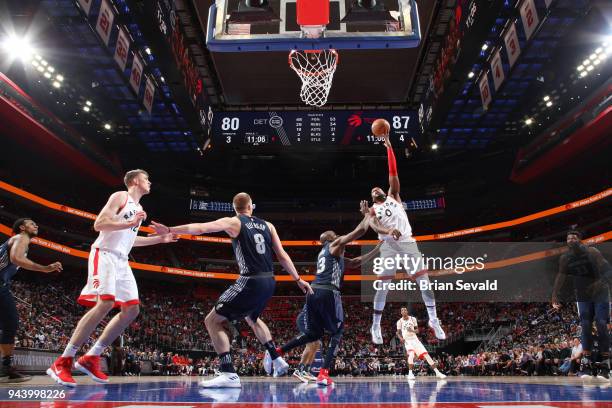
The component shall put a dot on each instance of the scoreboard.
(310, 128)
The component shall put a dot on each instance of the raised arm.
(105, 222)
(229, 225)
(337, 247)
(285, 260)
(559, 281)
(394, 184)
(18, 255)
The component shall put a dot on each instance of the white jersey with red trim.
(391, 214)
(408, 328)
(120, 241)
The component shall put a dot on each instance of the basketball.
(380, 127)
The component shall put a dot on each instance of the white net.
(316, 69)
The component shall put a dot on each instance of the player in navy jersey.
(13, 256)
(253, 240)
(590, 275)
(324, 311)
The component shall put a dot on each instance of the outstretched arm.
(229, 225)
(360, 260)
(154, 240)
(18, 256)
(394, 184)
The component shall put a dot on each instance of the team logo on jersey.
(96, 283)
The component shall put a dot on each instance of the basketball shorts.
(109, 278)
(324, 312)
(247, 297)
(414, 261)
(415, 346)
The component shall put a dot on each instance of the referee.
(14, 255)
(590, 277)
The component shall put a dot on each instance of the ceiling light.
(434, 146)
(485, 46)
(47, 75)
(86, 108)
(546, 98)
(597, 61)
(528, 121)
(56, 84)
(148, 50)
(590, 68)
(598, 50)
(471, 75)
(38, 57)
(586, 62)
(50, 69)
(60, 78)
(40, 68)
(18, 47)
(580, 67)
(107, 126)
(88, 103)
(549, 104)
(583, 74)
(44, 63)
(592, 56)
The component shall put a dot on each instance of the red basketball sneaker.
(323, 378)
(60, 371)
(90, 365)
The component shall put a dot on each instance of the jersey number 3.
(260, 244)
(321, 265)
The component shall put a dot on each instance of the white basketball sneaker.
(267, 363)
(437, 328)
(223, 380)
(410, 375)
(280, 367)
(439, 374)
(376, 334)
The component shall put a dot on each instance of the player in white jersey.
(110, 281)
(406, 332)
(391, 222)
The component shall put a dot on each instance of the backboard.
(237, 26)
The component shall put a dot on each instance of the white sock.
(376, 319)
(97, 349)
(70, 350)
(410, 372)
(431, 312)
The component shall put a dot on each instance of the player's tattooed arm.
(379, 229)
(364, 259)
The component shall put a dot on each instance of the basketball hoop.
(316, 69)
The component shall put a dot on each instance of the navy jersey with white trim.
(7, 268)
(253, 246)
(330, 268)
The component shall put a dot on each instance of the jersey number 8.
(260, 244)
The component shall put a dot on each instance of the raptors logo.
(96, 283)
(355, 120)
